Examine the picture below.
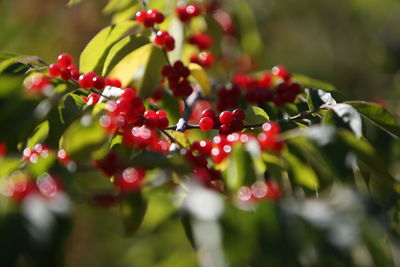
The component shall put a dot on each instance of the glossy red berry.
(206, 123)
(281, 72)
(169, 43)
(208, 113)
(237, 125)
(54, 70)
(226, 117)
(64, 60)
(225, 129)
(238, 113)
(66, 74)
(98, 82)
(141, 16)
(86, 80)
(162, 122)
(128, 93)
(156, 15)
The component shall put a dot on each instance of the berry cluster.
(38, 83)
(197, 158)
(268, 139)
(164, 39)
(268, 189)
(204, 59)
(126, 179)
(42, 151)
(228, 97)
(201, 40)
(64, 68)
(177, 79)
(228, 122)
(187, 12)
(262, 90)
(20, 186)
(150, 17)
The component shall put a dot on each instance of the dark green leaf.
(378, 115)
(303, 174)
(349, 116)
(133, 209)
(317, 97)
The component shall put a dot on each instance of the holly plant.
(165, 117)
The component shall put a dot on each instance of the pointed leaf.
(133, 209)
(312, 83)
(378, 115)
(255, 115)
(95, 52)
(200, 75)
(142, 66)
(303, 174)
(121, 49)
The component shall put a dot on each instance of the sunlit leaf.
(121, 49)
(378, 115)
(303, 174)
(255, 115)
(200, 75)
(94, 54)
(317, 97)
(142, 66)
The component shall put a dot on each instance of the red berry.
(237, 125)
(64, 60)
(281, 72)
(208, 113)
(161, 113)
(141, 16)
(193, 10)
(86, 80)
(206, 123)
(162, 122)
(225, 129)
(98, 82)
(54, 70)
(169, 43)
(66, 74)
(226, 117)
(128, 93)
(238, 113)
(271, 128)
(166, 70)
(156, 15)
(131, 179)
(148, 22)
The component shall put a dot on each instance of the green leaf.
(366, 153)
(133, 209)
(80, 140)
(349, 116)
(317, 97)
(8, 165)
(216, 32)
(94, 54)
(181, 138)
(42, 165)
(255, 115)
(303, 174)
(142, 66)
(121, 49)
(378, 114)
(60, 117)
(200, 75)
(240, 169)
(176, 30)
(40, 134)
(312, 83)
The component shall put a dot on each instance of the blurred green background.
(353, 44)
